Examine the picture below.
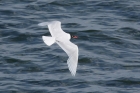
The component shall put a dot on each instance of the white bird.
(63, 40)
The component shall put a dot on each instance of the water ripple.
(108, 43)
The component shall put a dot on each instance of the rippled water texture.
(109, 46)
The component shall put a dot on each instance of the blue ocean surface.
(109, 46)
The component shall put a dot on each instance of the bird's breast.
(63, 37)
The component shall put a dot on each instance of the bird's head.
(73, 36)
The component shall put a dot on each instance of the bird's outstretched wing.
(72, 51)
(55, 30)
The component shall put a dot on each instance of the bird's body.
(63, 40)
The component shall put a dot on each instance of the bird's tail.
(48, 40)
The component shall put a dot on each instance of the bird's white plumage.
(55, 30)
(62, 39)
(48, 40)
(72, 51)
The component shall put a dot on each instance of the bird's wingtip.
(43, 24)
(73, 74)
